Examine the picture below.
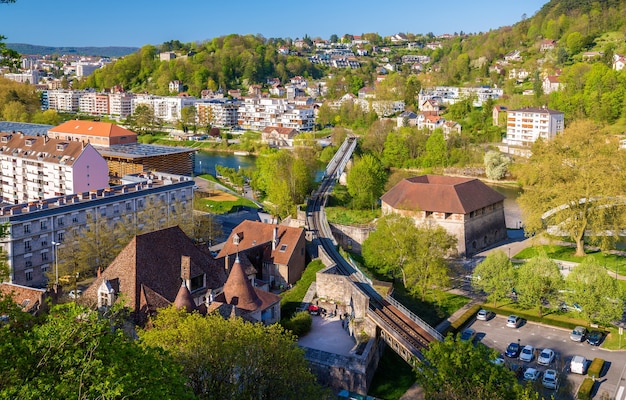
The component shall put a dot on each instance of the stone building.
(466, 208)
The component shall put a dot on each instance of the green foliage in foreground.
(299, 324)
(222, 207)
(393, 377)
(566, 253)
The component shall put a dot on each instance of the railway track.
(389, 318)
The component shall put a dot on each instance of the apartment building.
(221, 112)
(64, 100)
(31, 77)
(256, 113)
(452, 94)
(120, 104)
(37, 167)
(36, 227)
(94, 103)
(166, 108)
(526, 125)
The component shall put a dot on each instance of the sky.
(136, 23)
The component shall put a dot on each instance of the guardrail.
(423, 324)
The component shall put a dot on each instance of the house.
(151, 270)
(450, 127)
(176, 86)
(407, 118)
(513, 56)
(276, 136)
(466, 208)
(242, 299)
(495, 115)
(276, 251)
(430, 106)
(550, 84)
(29, 299)
(547, 45)
(619, 62)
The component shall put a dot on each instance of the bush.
(467, 315)
(299, 324)
(595, 369)
(585, 389)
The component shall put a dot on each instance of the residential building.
(64, 100)
(30, 300)
(149, 271)
(31, 76)
(277, 252)
(94, 103)
(35, 227)
(526, 125)
(120, 104)
(256, 113)
(547, 45)
(276, 136)
(466, 208)
(166, 108)
(85, 69)
(176, 86)
(37, 167)
(619, 62)
(218, 112)
(550, 83)
(496, 114)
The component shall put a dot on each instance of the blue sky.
(139, 22)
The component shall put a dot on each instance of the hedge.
(585, 389)
(461, 321)
(299, 324)
(595, 369)
(533, 318)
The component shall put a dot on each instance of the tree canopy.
(366, 181)
(416, 254)
(573, 175)
(233, 359)
(538, 282)
(495, 276)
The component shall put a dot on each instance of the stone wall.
(354, 372)
(351, 237)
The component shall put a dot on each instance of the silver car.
(578, 334)
(550, 379)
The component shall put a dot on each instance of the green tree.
(77, 353)
(15, 111)
(566, 185)
(233, 359)
(188, 118)
(416, 254)
(366, 181)
(143, 120)
(456, 369)
(207, 228)
(600, 296)
(496, 165)
(495, 276)
(538, 281)
(436, 154)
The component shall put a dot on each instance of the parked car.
(498, 360)
(531, 374)
(550, 379)
(74, 294)
(484, 315)
(527, 354)
(546, 357)
(513, 321)
(513, 350)
(578, 334)
(468, 334)
(594, 338)
(578, 365)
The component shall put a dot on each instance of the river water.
(512, 211)
(207, 160)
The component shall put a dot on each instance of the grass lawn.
(292, 298)
(566, 253)
(338, 210)
(393, 377)
(221, 207)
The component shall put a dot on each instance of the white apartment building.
(166, 108)
(452, 94)
(220, 112)
(64, 100)
(526, 125)
(256, 113)
(31, 76)
(86, 69)
(37, 167)
(36, 226)
(120, 104)
(94, 103)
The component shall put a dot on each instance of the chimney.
(275, 238)
(185, 268)
(99, 272)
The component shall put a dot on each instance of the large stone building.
(36, 168)
(466, 208)
(36, 227)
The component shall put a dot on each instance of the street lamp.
(56, 262)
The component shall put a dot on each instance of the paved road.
(495, 334)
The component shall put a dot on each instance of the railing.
(423, 324)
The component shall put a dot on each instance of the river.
(512, 211)
(207, 160)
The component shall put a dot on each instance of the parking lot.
(495, 334)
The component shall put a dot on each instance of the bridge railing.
(423, 324)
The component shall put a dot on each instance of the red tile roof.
(29, 299)
(238, 289)
(91, 128)
(437, 193)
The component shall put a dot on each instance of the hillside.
(112, 51)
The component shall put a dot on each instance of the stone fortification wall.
(351, 237)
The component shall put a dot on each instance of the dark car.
(468, 334)
(513, 350)
(594, 338)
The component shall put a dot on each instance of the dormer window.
(197, 282)
(106, 294)
(61, 146)
(236, 239)
(29, 142)
(6, 138)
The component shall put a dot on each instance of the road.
(495, 334)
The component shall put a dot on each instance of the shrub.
(300, 323)
(585, 389)
(595, 369)
(467, 315)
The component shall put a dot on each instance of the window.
(27, 246)
(44, 256)
(128, 206)
(29, 275)
(44, 224)
(26, 228)
(283, 248)
(60, 221)
(44, 243)
(44, 268)
(60, 237)
(116, 209)
(29, 263)
(103, 211)
(74, 219)
(197, 282)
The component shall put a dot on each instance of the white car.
(527, 354)
(546, 357)
(484, 315)
(550, 379)
(531, 374)
(513, 321)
